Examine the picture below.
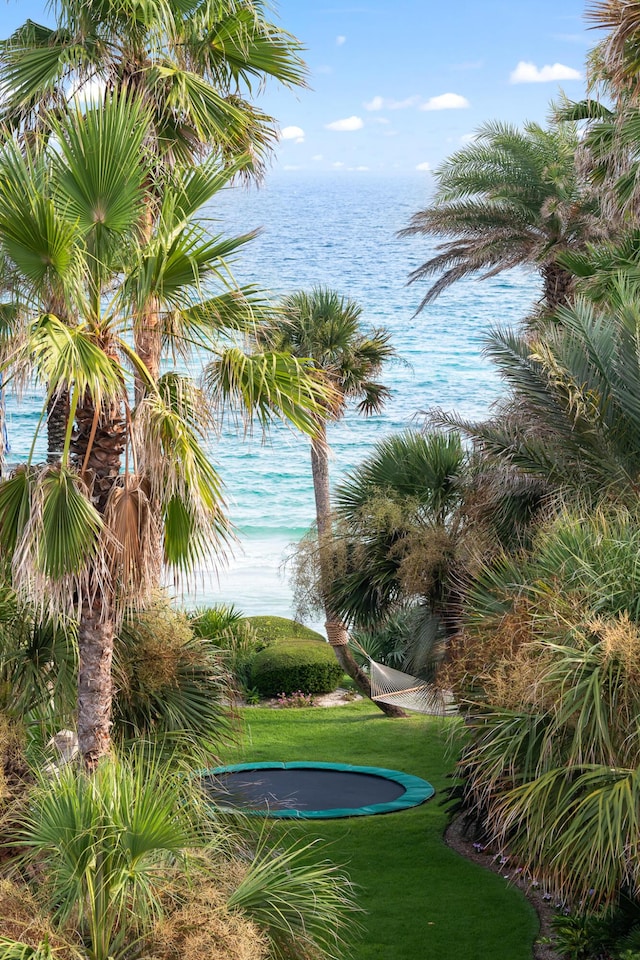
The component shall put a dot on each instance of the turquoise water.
(338, 232)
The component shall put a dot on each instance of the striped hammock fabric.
(403, 690)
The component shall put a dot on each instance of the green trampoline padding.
(310, 791)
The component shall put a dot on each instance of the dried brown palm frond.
(619, 51)
(130, 528)
(22, 921)
(202, 927)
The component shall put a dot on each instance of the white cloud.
(384, 103)
(527, 72)
(381, 120)
(337, 164)
(292, 166)
(349, 123)
(403, 104)
(446, 101)
(424, 166)
(317, 156)
(340, 40)
(324, 68)
(376, 104)
(292, 133)
(361, 167)
(468, 137)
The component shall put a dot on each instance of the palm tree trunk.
(558, 286)
(95, 691)
(337, 633)
(97, 447)
(57, 419)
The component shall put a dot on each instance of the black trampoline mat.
(300, 789)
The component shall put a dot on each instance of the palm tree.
(510, 197)
(191, 64)
(399, 512)
(554, 750)
(571, 417)
(78, 533)
(325, 327)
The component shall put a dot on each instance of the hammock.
(403, 690)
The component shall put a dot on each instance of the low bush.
(279, 629)
(171, 686)
(302, 665)
(228, 629)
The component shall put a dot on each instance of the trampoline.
(313, 790)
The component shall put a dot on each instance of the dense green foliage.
(233, 634)
(171, 686)
(129, 855)
(302, 665)
(280, 628)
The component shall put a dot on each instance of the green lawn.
(422, 901)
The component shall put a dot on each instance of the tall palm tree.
(510, 197)
(78, 533)
(193, 64)
(325, 327)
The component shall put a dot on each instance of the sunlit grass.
(422, 901)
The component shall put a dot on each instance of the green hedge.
(277, 629)
(303, 665)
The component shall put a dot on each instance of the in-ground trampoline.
(314, 790)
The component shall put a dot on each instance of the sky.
(395, 86)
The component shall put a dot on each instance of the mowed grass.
(421, 900)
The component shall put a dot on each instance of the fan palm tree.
(78, 533)
(554, 747)
(510, 197)
(191, 63)
(325, 327)
(399, 513)
(193, 66)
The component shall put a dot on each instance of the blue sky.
(397, 85)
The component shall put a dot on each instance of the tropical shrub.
(300, 665)
(171, 686)
(38, 663)
(554, 757)
(128, 855)
(231, 631)
(296, 699)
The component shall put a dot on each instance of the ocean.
(340, 232)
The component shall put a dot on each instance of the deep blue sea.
(339, 232)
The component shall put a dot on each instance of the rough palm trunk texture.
(95, 645)
(558, 287)
(57, 419)
(96, 628)
(337, 633)
(102, 467)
